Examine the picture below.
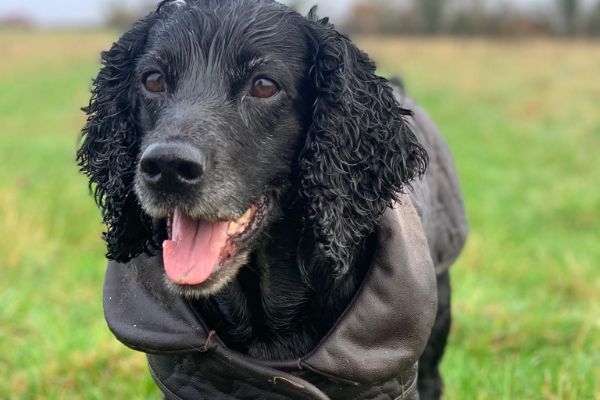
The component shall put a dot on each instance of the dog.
(252, 170)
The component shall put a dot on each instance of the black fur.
(111, 141)
(359, 151)
(330, 152)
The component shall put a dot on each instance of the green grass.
(53, 340)
(522, 120)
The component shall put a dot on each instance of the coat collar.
(380, 335)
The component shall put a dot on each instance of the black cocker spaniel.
(254, 151)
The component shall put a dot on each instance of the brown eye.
(263, 88)
(154, 82)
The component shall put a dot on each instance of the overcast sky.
(85, 12)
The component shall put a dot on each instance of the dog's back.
(438, 200)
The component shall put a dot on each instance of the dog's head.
(207, 114)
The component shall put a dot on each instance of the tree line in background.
(441, 17)
(474, 17)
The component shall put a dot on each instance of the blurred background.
(513, 85)
(508, 18)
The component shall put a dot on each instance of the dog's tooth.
(247, 215)
(233, 228)
(241, 224)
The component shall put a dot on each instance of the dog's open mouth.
(197, 248)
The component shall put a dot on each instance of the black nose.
(172, 166)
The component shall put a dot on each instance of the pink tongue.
(192, 254)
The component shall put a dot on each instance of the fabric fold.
(378, 339)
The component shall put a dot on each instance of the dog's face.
(208, 112)
(221, 109)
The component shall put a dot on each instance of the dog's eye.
(154, 82)
(263, 88)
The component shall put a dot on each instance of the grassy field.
(522, 119)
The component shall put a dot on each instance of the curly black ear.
(109, 147)
(359, 152)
